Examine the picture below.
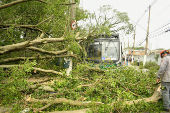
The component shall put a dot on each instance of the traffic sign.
(73, 25)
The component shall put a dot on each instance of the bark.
(47, 52)
(154, 98)
(63, 100)
(51, 95)
(74, 111)
(67, 4)
(21, 1)
(42, 108)
(42, 87)
(39, 80)
(38, 69)
(33, 58)
(19, 46)
(48, 71)
(23, 45)
(17, 2)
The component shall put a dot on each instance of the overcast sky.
(159, 19)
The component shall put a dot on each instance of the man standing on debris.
(164, 75)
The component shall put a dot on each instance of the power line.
(142, 15)
(146, 10)
(158, 33)
(164, 25)
(138, 25)
(161, 33)
(153, 2)
(160, 12)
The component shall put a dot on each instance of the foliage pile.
(110, 86)
(151, 65)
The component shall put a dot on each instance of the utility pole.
(147, 38)
(72, 14)
(72, 18)
(134, 43)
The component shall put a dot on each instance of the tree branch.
(63, 100)
(18, 2)
(67, 4)
(73, 111)
(44, 20)
(98, 27)
(19, 46)
(42, 108)
(25, 26)
(23, 45)
(33, 58)
(35, 68)
(47, 52)
(48, 71)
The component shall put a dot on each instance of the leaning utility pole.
(147, 38)
(133, 44)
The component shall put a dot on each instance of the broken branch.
(18, 2)
(63, 100)
(33, 58)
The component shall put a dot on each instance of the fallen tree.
(154, 98)
(84, 89)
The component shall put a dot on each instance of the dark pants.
(165, 89)
(138, 63)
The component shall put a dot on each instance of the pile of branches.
(116, 89)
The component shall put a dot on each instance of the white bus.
(105, 48)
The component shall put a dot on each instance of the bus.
(105, 49)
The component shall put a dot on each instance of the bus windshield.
(110, 50)
(105, 50)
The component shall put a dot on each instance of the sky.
(138, 13)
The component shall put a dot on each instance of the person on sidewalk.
(164, 75)
(130, 60)
(138, 61)
(127, 61)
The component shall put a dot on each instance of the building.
(142, 52)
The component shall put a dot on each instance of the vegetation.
(107, 90)
(136, 48)
(156, 57)
(36, 41)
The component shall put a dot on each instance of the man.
(127, 60)
(138, 61)
(164, 75)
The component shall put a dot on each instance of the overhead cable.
(146, 10)
(138, 25)
(161, 33)
(167, 23)
(160, 12)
